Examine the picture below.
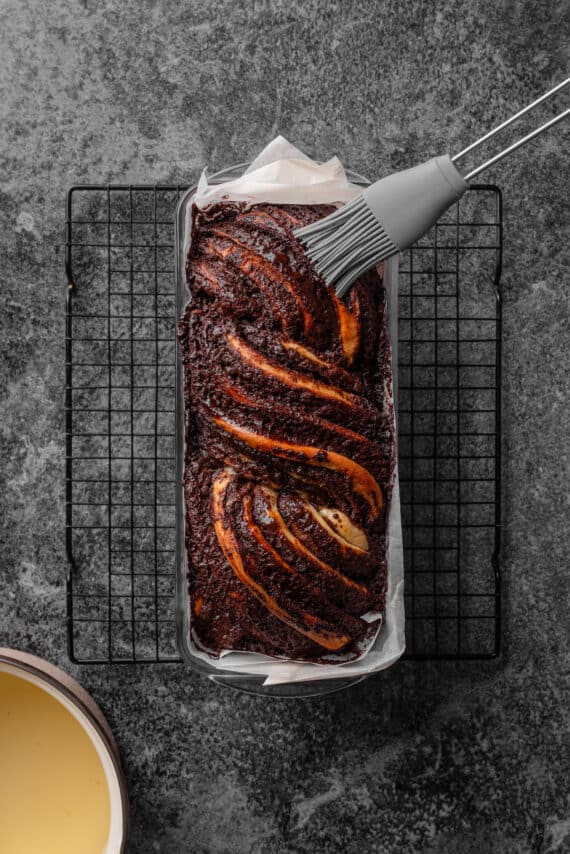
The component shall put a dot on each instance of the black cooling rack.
(120, 422)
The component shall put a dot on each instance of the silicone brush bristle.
(345, 244)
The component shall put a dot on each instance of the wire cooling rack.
(120, 422)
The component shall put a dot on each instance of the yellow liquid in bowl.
(54, 797)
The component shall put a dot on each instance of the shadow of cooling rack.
(120, 421)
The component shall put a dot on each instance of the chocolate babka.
(289, 441)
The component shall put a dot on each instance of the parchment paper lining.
(284, 175)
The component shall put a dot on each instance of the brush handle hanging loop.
(508, 122)
(517, 144)
(490, 134)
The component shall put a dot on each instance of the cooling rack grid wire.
(120, 397)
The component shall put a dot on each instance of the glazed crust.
(289, 445)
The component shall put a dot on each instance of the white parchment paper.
(284, 175)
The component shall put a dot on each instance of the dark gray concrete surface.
(451, 758)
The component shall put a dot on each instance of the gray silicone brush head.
(388, 217)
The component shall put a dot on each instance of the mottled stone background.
(432, 758)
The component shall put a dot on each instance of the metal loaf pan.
(251, 683)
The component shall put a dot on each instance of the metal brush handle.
(506, 123)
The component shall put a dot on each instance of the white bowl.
(84, 709)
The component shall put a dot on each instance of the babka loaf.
(289, 445)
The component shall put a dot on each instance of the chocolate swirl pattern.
(289, 441)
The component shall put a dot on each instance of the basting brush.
(390, 215)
